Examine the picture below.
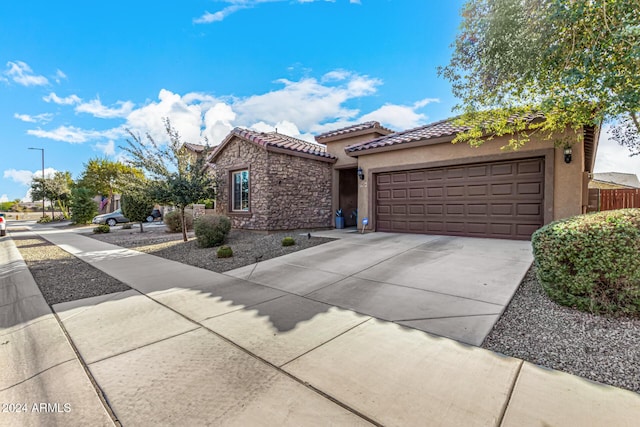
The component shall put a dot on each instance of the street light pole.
(43, 192)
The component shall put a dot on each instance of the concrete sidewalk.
(188, 346)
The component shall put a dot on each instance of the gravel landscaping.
(247, 246)
(536, 329)
(61, 276)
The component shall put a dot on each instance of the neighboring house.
(270, 181)
(195, 150)
(416, 181)
(614, 181)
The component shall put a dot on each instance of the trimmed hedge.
(212, 230)
(592, 262)
(174, 223)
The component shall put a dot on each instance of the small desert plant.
(288, 241)
(212, 230)
(224, 252)
(173, 221)
(44, 220)
(104, 228)
(127, 226)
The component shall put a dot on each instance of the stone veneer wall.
(300, 192)
(285, 192)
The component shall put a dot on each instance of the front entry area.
(497, 200)
(348, 195)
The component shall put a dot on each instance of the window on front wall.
(240, 191)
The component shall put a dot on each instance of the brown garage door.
(499, 200)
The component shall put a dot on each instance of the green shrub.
(104, 228)
(224, 252)
(591, 262)
(83, 208)
(288, 241)
(127, 226)
(174, 223)
(212, 230)
(45, 219)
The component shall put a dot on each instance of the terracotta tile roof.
(353, 128)
(278, 141)
(439, 129)
(197, 148)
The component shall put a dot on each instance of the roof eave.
(375, 130)
(401, 146)
(280, 150)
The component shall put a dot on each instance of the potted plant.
(339, 219)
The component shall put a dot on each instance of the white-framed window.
(240, 191)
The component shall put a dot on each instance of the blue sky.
(75, 75)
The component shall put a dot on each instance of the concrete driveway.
(455, 287)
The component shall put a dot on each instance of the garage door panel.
(502, 209)
(501, 189)
(502, 170)
(416, 193)
(399, 194)
(477, 171)
(456, 191)
(529, 209)
(533, 167)
(477, 190)
(417, 176)
(416, 210)
(435, 209)
(435, 192)
(399, 178)
(384, 194)
(455, 210)
(530, 188)
(477, 228)
(501, 199)
(477, 209)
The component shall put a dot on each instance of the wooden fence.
(606, 200)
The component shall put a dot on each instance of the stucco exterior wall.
(285, 192)
(567, 179)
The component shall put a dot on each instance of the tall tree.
(106, 178)
(178, 178)
(56, 189)
(575, 61)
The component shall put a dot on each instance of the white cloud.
(612, 157)
(22, 74)
(108, 148)
(4, 198)
(285, 128)
(24, 177)
(69, 100)
(305, 102)
(59, 76)
(184, 117)
(40, 118)
(96, 109)
(75, 135)
(236, 5)
(27, 197)
(400, 116)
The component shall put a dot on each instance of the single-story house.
(614, 181)
(270, 181)
(415, 181)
